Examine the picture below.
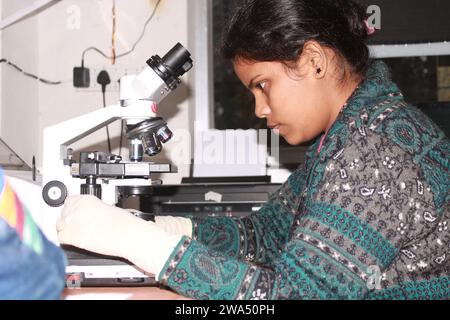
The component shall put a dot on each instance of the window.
(233, 102)
(421, 70)
(422, 79)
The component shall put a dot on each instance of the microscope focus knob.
(91, 189)
(54, 193)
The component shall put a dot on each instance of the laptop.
(87, 269)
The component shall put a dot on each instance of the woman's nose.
(262, 110)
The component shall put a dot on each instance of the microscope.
(106, 175)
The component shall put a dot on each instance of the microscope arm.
(58, 137)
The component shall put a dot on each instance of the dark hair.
(276, 30)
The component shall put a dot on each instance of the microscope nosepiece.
(150, 134)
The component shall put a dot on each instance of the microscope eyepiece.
(154, 83)
(172, 66)
(178, 60)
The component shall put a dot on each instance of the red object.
(154, 107)
(321, 141)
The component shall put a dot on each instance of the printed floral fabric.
(31, 267)
(367, 217)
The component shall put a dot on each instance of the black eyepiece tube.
(172, 66)
(178, 60)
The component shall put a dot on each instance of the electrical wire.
(134, 45)
(113, 40)
(121, 137)
(29, 74)
(107, 128)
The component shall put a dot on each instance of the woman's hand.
(88, 223)
(175, 225)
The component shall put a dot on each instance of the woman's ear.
(315, 58)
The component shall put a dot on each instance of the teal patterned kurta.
(367, 217)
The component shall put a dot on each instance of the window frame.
(201, 12)
(201, 20)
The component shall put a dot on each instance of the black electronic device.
(208, 199)
(88, 269)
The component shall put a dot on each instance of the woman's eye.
(261, 85)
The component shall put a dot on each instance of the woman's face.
(292, 101)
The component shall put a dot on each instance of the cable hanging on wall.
(141, 36)
(113, 41)
(45, 81)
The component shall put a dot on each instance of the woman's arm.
(367, 204)
(259, 237)
(196, 271)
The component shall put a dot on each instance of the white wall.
(1, 71)
(20, 94)
(50, 46)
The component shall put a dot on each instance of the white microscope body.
(103, 173)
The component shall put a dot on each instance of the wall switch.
(115, 73)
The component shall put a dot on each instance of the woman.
(366, 216)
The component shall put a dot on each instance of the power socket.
(115, 73)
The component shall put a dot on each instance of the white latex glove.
(88, 223)
(175, 225)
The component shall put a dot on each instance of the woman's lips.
(275, 126)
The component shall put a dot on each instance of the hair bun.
(356, 17)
